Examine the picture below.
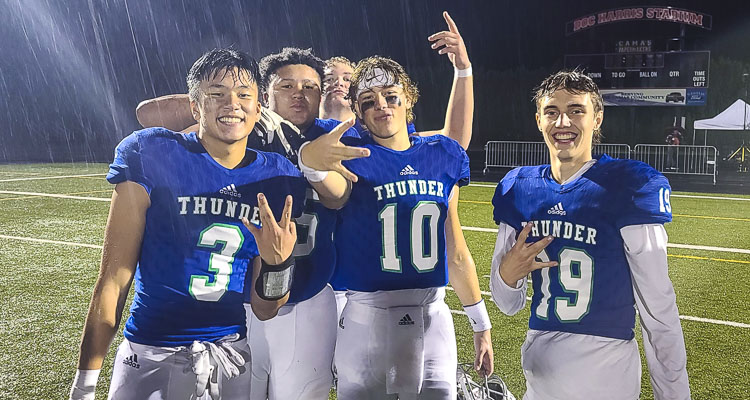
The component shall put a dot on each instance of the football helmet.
(493, 388)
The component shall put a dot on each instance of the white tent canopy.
(735, 118)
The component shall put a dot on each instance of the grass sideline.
(45, 288)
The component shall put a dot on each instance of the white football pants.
(144, 372)
(293, 351)
(570, 366)
(361, 359)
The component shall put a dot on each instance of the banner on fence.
(654, 97)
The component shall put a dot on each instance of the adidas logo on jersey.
(406, 320)
(230, 190)
(557, 209)
(132, 361)
(409, 170)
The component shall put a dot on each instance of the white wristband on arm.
(84, 384)
(478, 317)
(462, 73)
(312, 175)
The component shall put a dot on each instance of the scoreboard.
(681, 69)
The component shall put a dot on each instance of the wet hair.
(339, 60)
(574, 81)
(289, 56)
(229, 61)
(389, 67)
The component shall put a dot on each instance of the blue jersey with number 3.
(196, 255)
(391, 233)
(590, 292)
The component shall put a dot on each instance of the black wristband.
(274, 281)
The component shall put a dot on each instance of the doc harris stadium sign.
(647, 13)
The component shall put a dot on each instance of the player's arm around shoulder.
(462, 273)
(171, 111)
(122, 243)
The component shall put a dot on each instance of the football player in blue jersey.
(182, 224)
(337, 105)
(591, 233)
(397, 216)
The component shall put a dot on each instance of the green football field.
(52, 221)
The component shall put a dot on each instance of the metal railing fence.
(685, 159)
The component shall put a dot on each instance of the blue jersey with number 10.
(590, 292)
(196, 255)
(391, 233)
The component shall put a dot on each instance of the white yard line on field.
(28, 239)
(715, 321)
(59, 196)
(691, 196)
(37, 178)
(708, 248)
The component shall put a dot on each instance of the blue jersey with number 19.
(590, 292)
(196, 255)
(391, 233)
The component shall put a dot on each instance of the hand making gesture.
(275, 240)
(326, 152)
(521, 259)
(451, 43)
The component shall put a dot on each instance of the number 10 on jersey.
(390, 261)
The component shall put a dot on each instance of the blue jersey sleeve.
(646, 202)
(291, 182)
(501, 202)
(456, 155)
(128, 163)
(464, 176)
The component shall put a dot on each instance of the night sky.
(73, 71)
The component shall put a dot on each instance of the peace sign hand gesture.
(275, 240)
(326, 152)
(451, 43)
(521, 259)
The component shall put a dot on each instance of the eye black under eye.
(392, 99)
(366, 105)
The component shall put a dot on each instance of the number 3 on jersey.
(390, 261)
(220, 263)
(576, 276)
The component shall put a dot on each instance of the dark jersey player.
(599, 249)
(182, 224)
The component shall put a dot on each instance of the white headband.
(376, 77)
